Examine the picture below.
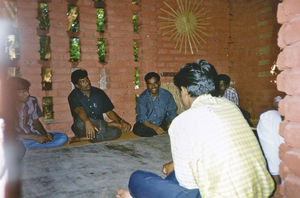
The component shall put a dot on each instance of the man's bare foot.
(114, 124)
(122, 193)
(76, 139)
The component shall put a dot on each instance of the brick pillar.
(288, 81)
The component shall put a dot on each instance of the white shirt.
(269, 138)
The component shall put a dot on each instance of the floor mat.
(94, 170)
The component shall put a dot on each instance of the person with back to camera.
(156, 108)
(215, 153)
(88, 104)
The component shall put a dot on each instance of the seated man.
(30, 130)
(214, 151)
(88, 104)
(269, 138)
(225, 90)
(156, 108)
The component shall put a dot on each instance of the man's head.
(195, 79)
(224, 82)
(21, 86)
(80, 80)
(152, 80)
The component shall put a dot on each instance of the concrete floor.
(94, 170)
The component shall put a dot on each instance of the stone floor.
(94, 170)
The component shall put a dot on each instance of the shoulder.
(32, 99)
(144, 94)
(164, 91)
(73, 93)
(231, 89)
(270, 114)
(97, 90)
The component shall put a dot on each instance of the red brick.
(291, 186)
(288, 10)
(292, 134)
(289, 33)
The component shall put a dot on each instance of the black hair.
(224, 78)
(198, 78)
(78, 74)
(18, 83)
(151, 75)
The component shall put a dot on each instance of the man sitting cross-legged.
(214, 151)
(30, 130)
(156, 108)
(88, 104)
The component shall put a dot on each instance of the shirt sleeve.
(73, 101)
(36, 113)
(141, 110)
(107, 104)
(171, 108)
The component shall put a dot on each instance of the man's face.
(84, 84)
(23, 95)
(153, 85)
(222, 86)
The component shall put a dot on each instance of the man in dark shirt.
(88, 104)
(156, 108)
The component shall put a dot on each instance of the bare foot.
(122, 193)
(76, 139)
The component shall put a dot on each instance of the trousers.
(143, 184)
(59, 139)
(104, 132)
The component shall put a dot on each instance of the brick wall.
(156, 53)
(288, 82)
(241, 43)
(252, 52)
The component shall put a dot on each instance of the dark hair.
(151, 75)
(78, 74)
(224, 78)
(198, 78)
(18, 83)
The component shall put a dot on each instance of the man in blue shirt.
(156, 108)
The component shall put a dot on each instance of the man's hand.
(159, 131)
(168, 168)
(125, 126)
(50, 137)
(41, 139)
(90, 130)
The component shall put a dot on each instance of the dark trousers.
(104, 132)
(141, 130)
(143, 184)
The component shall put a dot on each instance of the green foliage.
(135, 51)
(134, 2)
(134, 23)
(74, 50)
(43, 16)
(45, 52)
(100, 20)
(73, 19)
(101, 50)
(136, 78)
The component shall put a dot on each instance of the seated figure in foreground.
(156, 108)
(270, 139)
(214, 151)
(88, 104)
(30, 130)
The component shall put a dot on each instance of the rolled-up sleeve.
(171, 109)
(141, 110)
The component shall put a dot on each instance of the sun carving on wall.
(186, 24)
